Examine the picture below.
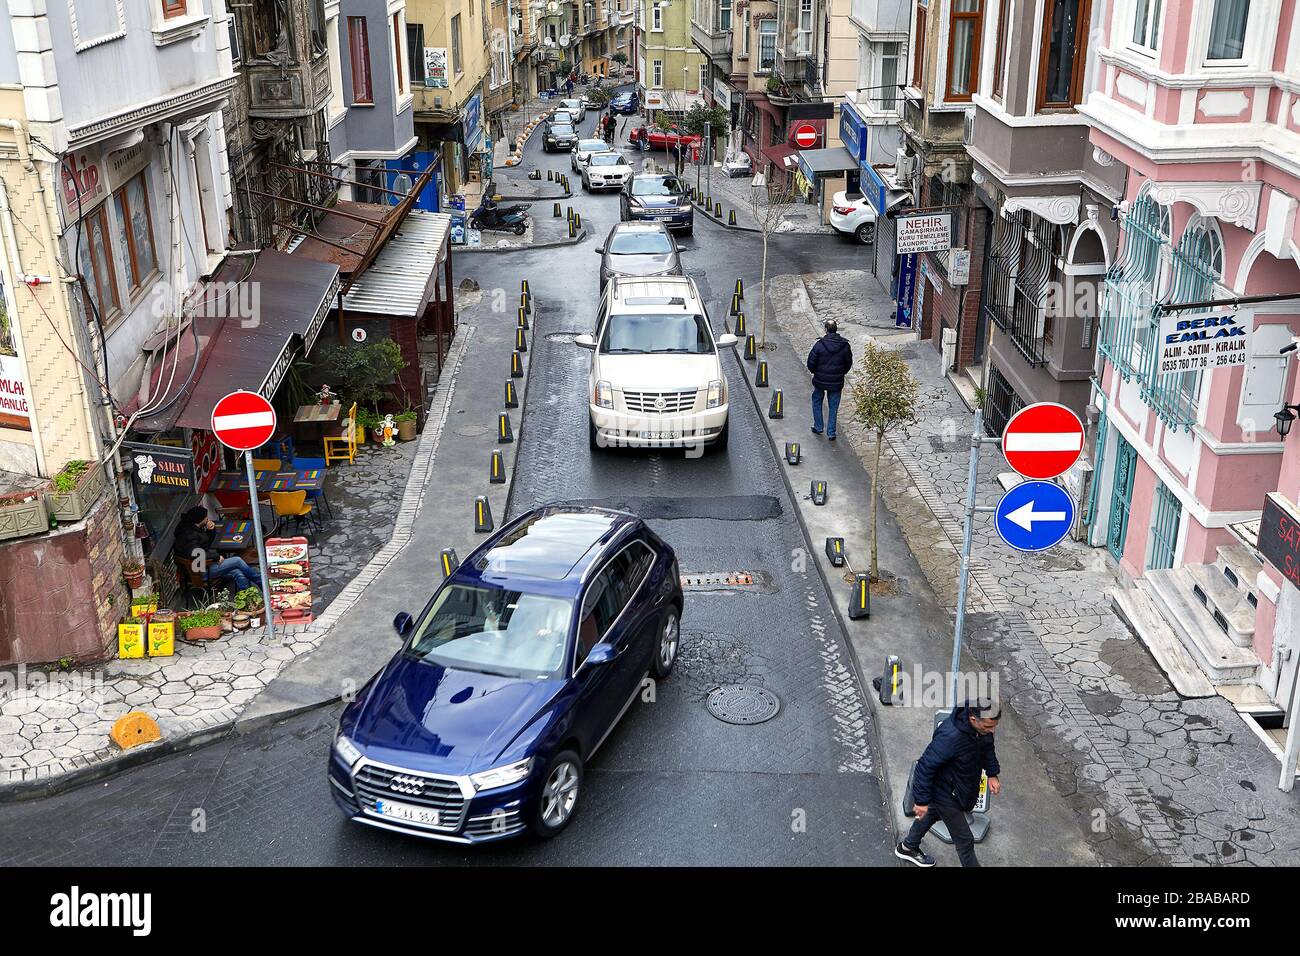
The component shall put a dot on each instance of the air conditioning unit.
(903, 164)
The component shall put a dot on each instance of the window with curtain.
(359, 57)
(886, 97)
(399, 68)
(805, 25)
(1065, 48)
(999, 52)
(1146, 23)
(1228, 29)
(964, 48)
(918, 48)
(724, 16)
(135, 232)
(766, 45)
(95, 263)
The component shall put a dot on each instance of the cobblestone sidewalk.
(737, 193)
(1187, 780)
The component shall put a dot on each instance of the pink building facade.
(1200, 101)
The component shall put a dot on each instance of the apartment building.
(1196, 105)
(671, 71)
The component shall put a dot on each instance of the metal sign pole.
(976, 439)
(261, 545)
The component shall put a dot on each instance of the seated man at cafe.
(195, 535)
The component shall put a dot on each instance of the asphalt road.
(673, 785)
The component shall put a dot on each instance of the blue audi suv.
(510, 679)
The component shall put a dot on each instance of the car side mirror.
(584, 341)
(600, 654)
(727, 340)
(403, 624)
(600, 250)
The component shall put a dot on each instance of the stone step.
(1222, 661)
(1241, 561)
(1237, 612)
(1135, 607)
(1249, 699)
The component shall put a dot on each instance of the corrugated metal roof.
(394, 283)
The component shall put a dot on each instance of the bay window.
(359, 57)
(95, 264)
(999, 52)
(399, 68)
(1146, 23)
(766, 45)
(918, 49)
(964, 31)
(1064, 50)
(1228, 29)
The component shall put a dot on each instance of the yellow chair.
(347, 440)
(291, 504)
(267, 464)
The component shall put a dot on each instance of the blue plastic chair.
(306, 464)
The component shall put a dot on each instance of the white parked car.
(656, 377)
(583, 151)
(606, 171)
(854, 216)
(577, 107)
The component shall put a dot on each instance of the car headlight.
(604, 396)
(502, 776)
(715, 394)
(347, 750)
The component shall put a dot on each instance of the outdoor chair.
(292, 504)
(343, 447)
(308, 464)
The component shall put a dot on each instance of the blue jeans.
(832, 402)
(239, 572)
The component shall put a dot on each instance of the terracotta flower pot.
(212, 633)
(133, 578)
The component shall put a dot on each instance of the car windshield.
(640, 244)
(656, 186)
(494, 631)
(572, 104)
(682, 333)
(608, 159)
(561, 129)
(592, 146)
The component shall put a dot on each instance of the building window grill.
(1000, 403)
(1022, 260)
(1167, 512)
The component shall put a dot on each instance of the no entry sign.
(1043, 440)
(243, 421)
(805, 136)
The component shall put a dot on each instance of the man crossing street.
(829, 361)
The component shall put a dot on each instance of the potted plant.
(23, 513)
(366, 421)
(201, 625)
(250, 601)
(406, 421)
(224, 605)
(144, 605)
(133, 574)
(77, 487)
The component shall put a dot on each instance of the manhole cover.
(472, 431)
(742, 704)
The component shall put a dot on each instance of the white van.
(656, 376)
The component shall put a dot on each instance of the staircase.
(1198, 618)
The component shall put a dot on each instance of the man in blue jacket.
(946, 781)
(829, 361)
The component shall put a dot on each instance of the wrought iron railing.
(1164, 528)
(1000, 403)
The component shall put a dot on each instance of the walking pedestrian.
(946, 780)
(829, 361)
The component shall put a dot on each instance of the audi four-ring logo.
(407, 785)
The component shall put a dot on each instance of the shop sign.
(14, 409)
(722, 94)
(853, 132)
(435, 67)
(471, 120)
(87, 177)
(207, 459)
(1195, 341)
(1279, 536)
(162, 466)
(289, 572)
(654, 99)
(927, 232)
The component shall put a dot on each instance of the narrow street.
(673, 785)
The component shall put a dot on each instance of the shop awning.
(781, 155)
(829, 162)
(248, 332)
(397, 282)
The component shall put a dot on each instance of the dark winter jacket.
(830, 360)
(949, 770)
(191, 541)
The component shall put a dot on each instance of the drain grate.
(718, 579)
(742, 704)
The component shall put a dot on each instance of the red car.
(668, 139)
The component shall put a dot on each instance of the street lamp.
(1284, 418)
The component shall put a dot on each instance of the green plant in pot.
(201, 625)
(406, 422)
(250, 601)
(133, 574)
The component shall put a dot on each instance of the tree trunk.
(875, 497)
(762, 299)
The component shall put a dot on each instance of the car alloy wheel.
(559, 795)
(669, 639)
(867, 233)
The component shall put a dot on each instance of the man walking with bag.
(829, 361)
(945, 782)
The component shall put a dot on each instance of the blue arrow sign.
(1034, 516)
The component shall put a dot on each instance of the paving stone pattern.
(1154, 778)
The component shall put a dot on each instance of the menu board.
(289, 574)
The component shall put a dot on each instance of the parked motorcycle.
(500, 218)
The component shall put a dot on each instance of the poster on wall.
(289, 574)
(435, 67)
(14, 409)
(1196, 341)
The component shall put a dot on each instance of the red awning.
(781, 156)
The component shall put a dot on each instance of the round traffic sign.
(1043, 440)
(1034, 516)
(805, 136)
(243, 421)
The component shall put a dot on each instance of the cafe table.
(235, 535)
(309, 479)
(318, 415)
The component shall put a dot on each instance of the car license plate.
(661, 436)
(404, 811)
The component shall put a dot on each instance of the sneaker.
(917, 856)
(830, 437)
(816, 431)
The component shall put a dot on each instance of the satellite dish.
(566, 40)
(553, 6)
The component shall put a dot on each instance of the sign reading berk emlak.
(1203, 340)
